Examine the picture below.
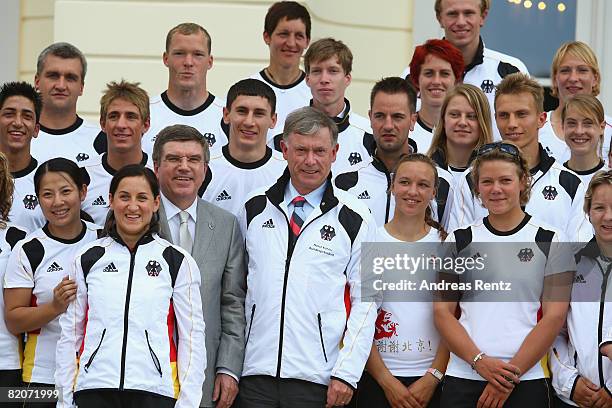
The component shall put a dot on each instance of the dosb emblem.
(354, 158)
(82, 157)
(30, 201)
(487, 86)
(210, 138)
(153, 268)
(328, 232)
(550, 192)
(525, 255)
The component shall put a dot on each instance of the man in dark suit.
(213, 238)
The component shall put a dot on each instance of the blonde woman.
(583, 127)
(464, 126)
(497, 347)
(574, 71)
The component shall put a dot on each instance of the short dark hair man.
(392, 116)
(187, 100)
(60, 78)
(287, 34)
(213, 238)
(246, 163)
(20, 107)
(303, 238)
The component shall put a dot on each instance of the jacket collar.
(276, 193)
(183, 112)
(590, 250)
(440, 159)
(343, 122)
(145, 239)
(379, 165)
(370, 145)
(478, 58)
(546, 161)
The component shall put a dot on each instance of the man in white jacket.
(310, 310)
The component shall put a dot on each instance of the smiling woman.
(574, 71)
(409, 377)
(576, 362)
(489, 367)
(134, 201)
(583, 126)
(37, 287)
(436, 67)
(135, 289)
(465, 125)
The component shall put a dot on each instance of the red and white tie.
(297, 218)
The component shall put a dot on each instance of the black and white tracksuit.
(136, 324)
(575, 352)
(297, 305)
(486, 71)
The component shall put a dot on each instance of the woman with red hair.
(436, 67)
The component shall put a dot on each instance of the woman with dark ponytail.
(136, 323)
(407, 375)
(37, 290)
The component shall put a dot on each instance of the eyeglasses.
(507, 148)
(191, 160)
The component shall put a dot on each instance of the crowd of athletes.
(192, 250)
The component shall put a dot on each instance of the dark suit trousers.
(262, 391)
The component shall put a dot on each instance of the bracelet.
(478, 357)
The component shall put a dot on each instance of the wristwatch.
(476, 359)
(436, 373)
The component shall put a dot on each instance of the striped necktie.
(297, 218)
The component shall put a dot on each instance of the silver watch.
(436, 373)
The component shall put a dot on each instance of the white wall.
(36, 32)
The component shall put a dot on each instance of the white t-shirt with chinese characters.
(405, 335)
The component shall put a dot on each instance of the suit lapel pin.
(211, 225)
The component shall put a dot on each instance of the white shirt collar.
(313, 198)
(172, 210)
